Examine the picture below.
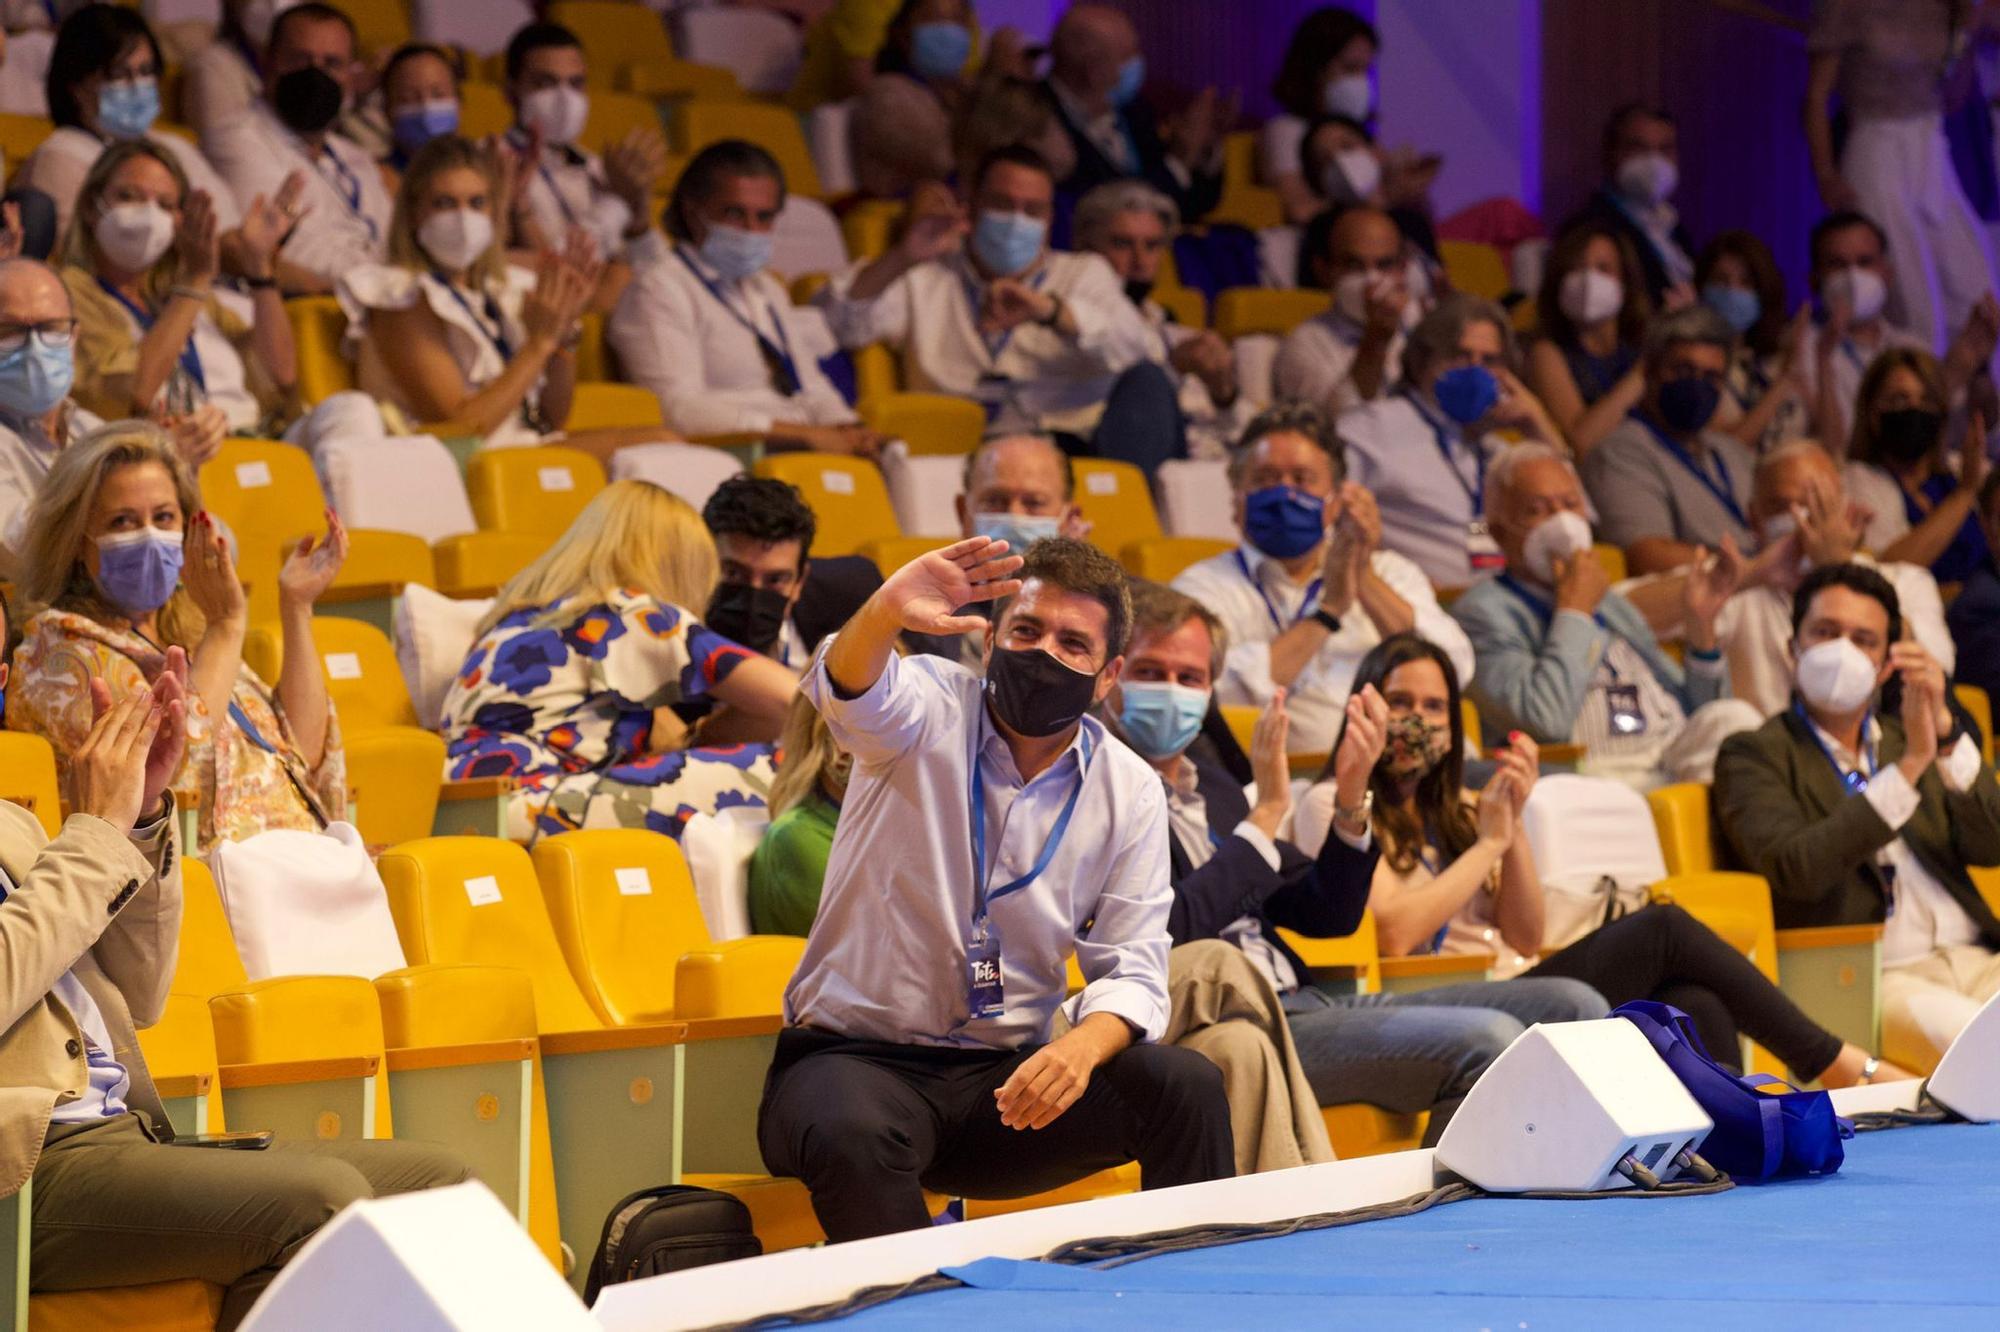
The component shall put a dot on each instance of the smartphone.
(253, 1141)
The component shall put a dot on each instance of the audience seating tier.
(846, 495)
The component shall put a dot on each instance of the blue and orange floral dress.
(562, 701)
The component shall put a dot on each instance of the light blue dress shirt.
(886, 959)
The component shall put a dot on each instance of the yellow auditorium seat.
(1241, 719)
(593, 354)
(1244, 310)
(478, 564)
(536, 490)
(318, 327)
(600, 406)
(847, 496)
(359, 662)
(889, 554)
(1687, 836)
(772, 127)
(1475, 267)
(186, 1071)
(929, 423)
(680, 78)
(162, 1306)
(21, 135)
(870, 227)
(1974, 700)
(1613, 560)
(1162, 559)
(615, 35)
(382, 25)
(395, 775)
(483, 109)
(876, 372)
(613, 115)
(1468, 718)
(1186, 306)
(1115, 499)
(1244, 201)
(28, 777)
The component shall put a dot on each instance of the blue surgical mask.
(418, 125)
(1018, 530)
(35, 377)
(1160, 718)
(1738, 306)
(1131, 78)
(128, 110)
(735, 253)
(1283, 522)
(1006, 243)
(1467, 393)
(939, 50)
(138, 571)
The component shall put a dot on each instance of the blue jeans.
(1142, 422)
(1412, 1052)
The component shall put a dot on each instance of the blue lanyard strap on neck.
(1270, 608)
(348, 187)
(1724, 493)
(982, 899)
(1856, 782)
(190, 359)
(779, 353)
(995, 346)
(496, 333)
(1545, 609)
(1475, 491)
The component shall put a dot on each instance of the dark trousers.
(1663, 953)
(869, 1125)
(1142, 422)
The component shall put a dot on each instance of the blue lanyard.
(981, 898)
(1475, 494)
(1856, 782)
(497, 334)
(780, 351)
(190, 358)
(1277, 620)
(994, 349)
(1724, 493)
(348, 187)
(520, 140)
(1544, 609)
(249, 728)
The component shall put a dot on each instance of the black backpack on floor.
(669, 1229)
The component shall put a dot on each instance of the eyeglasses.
(52, 333)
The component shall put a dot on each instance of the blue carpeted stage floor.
(1907, 1235)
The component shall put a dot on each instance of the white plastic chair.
(924, 489)
(1195, 499)
(408, 483)
(762, 49)
(828, 127)
(807, 239)
(480, 26)
(718, 849)
(1585, 831)
(691, 471)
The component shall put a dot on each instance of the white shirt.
(1254, 615)
(569, 189)
(1849, 363)
(1427, 502)
(58, 167)
(346, 215)
(886, 959)
(1032, 378)
(1755, 631)
(684, 332)
(1316, 364)
(1657, 223)
(26, 454)
(1923, 915)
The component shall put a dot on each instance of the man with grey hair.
(1565, 658)
(1131, 224)
(1665, 482)
(1803, 520)
(1423, 450)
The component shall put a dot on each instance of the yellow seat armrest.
(442, 1004)
(461, 1056)
(1827, 936)
(292, 1072)
(1437, 964)
(651, 1036)
(736, 978)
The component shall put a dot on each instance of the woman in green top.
(789, 865)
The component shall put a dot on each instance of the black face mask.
(1687, 404)
(1907, 433)
(1138, 292)
(753, 616)
(307, 100)
(1035, 694)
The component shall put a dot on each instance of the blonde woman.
(121, 564)
(571, 682)
(447, 332)
(789, 866)
(140, 261)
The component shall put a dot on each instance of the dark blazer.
(1788, 817)
(1322, 898)
(1603, 208)
(1202, 192)
(1974, 619)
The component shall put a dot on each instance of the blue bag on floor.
(1758, 1134)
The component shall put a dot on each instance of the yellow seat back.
(1975, 701)
(1115, 499)
(1241, 719)
(846, 495)
(891, 553)
(483, 109)
(359, 663)
(615, 34)
(613, 115)
(928, 422)
(182, 1042)
(1736, 906)
(540, 489)
(318, 326)
(395, 775)
(1687, 838)
(1468, 717)
(478, 564)
(1358, 950)
(623, 904)
(870, 227)
(876, 372)
(1244, 201)
(28, 777)
(207, 964)
(267, 492)
(474, 900)
(1475, 267)
(1163, 558)
(21, 135)
(601, 406)
(1184, 305)
(593, 354)
(382, 25)
(772, 127)
(1613, 560)
(1244, 310)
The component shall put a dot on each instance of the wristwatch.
(1325, 618)
(1055, 311)
(1354, 816)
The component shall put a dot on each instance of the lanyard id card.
(1623, 714)
(1481, 549)
(988, 992)
(992, 393)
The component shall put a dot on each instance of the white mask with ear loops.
(1836, 676)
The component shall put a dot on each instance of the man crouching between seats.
(989, 829)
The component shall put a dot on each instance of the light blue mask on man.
(1160, 718)
(735, 253)
(35, 376)
(1131, 78)
(1006, 243)
(939, 50)
(1018, 530)
(128, 110)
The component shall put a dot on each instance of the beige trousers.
(1925, 1004)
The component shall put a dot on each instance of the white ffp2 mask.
(1836, 676)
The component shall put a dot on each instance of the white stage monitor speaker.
(444, 1260)
(1967, 1080)
(1564, 1105)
